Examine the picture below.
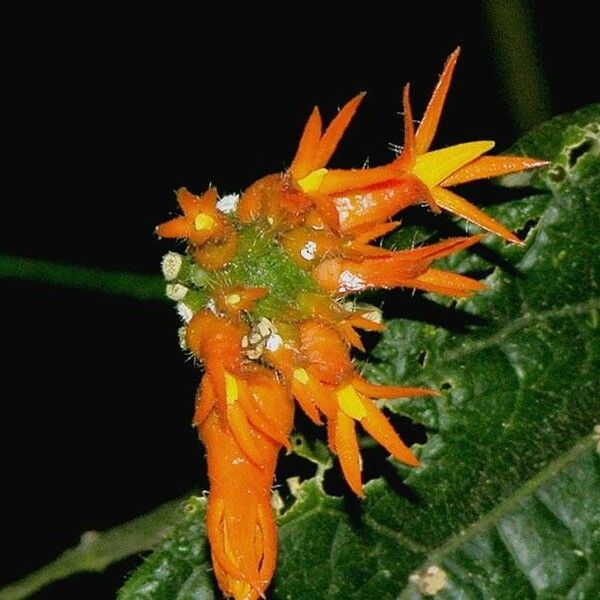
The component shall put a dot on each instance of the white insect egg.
(349, 282)
(171, 265)
(274, 342)
(176, 291)
(228, 204)
(309, 251)
(344, 208)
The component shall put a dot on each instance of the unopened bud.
(176, 291)
(171, 265)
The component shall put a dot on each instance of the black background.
(106, 117)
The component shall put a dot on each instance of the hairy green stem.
(133, 285)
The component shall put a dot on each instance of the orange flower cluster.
(321, 223)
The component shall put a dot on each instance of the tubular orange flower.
(263, 290)
(363, 196)
(462, 163)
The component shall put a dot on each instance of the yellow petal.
(437, 165)
(312, 182)
(231, 389)
(203, 222)
(301, 375)
(351, 403)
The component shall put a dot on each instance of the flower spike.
(267, 292)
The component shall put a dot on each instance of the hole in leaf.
(482, 273)
(422, 356)
(447, 385)
(334, 483)
(293, 466)
(523, 232)
(576, 152)
(410, 431)
(557, 173)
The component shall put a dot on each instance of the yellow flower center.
(312, 182)
(203, 222)
(433, 167)
(233, 299)
(301, 375)
(350, 403)
(231, 389)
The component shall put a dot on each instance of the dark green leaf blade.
(505, 503)
(180, 567)
(502, 504)
(521, 387)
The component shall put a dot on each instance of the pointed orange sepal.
(350, 335)
(380, 429)
(389, 391)
(361, 322)
(315, 149)
(406, 159)
(431, 118)
(361, 238)
(377, 204)
(346, 445)
(440, 249)
(338, 181)
(457, 205)
(258, 417)
(179, 227)
(446, 283)
(332, 136)
(343, 276)
(491, 166)
(303, 162)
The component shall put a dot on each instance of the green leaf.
(547, 531)
(505, 503)
(179, 567)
